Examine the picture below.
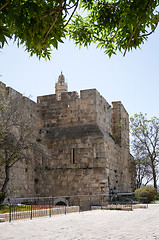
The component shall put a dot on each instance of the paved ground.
(140, 224)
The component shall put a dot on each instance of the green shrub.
(157, 196)
(146, 191)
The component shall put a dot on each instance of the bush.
(146, 191)
(157, 196)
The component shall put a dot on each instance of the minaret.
(60, 86)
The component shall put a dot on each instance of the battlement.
(88, 108)
(72, 109)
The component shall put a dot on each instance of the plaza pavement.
(140, 224)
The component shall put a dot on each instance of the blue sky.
(133, 79)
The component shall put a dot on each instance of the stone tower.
(86, 144)
(60, 86)
(89, 151)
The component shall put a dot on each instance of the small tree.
(18, 132)
(143, 171)
(145, 147)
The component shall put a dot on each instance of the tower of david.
(86, 140)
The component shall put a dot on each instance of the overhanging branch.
(138, 23)
(60, 8)
(115, 33)
(7, 2)
(148, 34)
(76, 5)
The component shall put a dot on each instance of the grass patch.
(6, 209)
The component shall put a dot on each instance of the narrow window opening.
(108, 181)
(73, 156)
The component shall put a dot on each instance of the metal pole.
(79, 203)
(9, 211)
(65, 205)
(50, 206)
(31, 215)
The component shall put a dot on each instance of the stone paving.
(140, 224)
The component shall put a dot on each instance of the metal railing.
(20, 208)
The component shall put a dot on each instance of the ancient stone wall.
(121, 135)
(86, 141)
(89, 144)
(78, 164)
(21, 177)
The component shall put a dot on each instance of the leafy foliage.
(157, 197)
(146, 191)
(114, 25)
(145, 147)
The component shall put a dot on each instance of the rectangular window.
(73, 156)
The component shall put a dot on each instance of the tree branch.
(148, 180)
(76, 5)
(131, 38)
(115, 33)
(100, 39)
(5, 5)
(144, 143)
(72, 6)
(136, 28)
(56, 11)
(53, 11)
(145, 35)
(53, 21)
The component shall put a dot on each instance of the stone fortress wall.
(89, 144)
(87, 141)
(21, 183)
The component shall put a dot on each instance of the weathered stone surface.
(89, 148)
(88, 144)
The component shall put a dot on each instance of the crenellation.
(73, 110)
(69, 110)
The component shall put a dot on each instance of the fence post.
(79, 203)
(50, 207)
(31, 214)
(147, 202)
(10, 212)
(131, 201)
(65, 205)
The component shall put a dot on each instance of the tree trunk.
(154, 175)
(6, 180)
(4, 187)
